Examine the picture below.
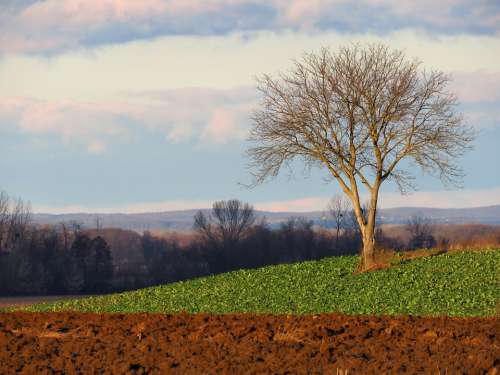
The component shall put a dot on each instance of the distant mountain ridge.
(183, 220)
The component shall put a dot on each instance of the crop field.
(455, 284)
(431, 315)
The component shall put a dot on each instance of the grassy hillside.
(459, 284)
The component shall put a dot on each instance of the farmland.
(455, 284)
(249, 187)
(435, 314)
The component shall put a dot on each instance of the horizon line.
(256, 210)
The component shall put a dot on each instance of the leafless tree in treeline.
(20, 218)
(224, 227)
(4, 217)
(420, 229)
(66, 235)
(339, 209)
(227, 223)
(358, 113)
(15, 217)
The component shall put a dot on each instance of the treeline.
(49, 260)
(67, 259)
(226, 239)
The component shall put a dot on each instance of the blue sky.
(130, 106)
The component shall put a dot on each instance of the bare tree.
(420, 230)
(227, 223)
(65, 234)
(339, 208)
(359, 113)
(15, 217)
(4, 217)
(19, 220)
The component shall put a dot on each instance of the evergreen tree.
(81, 251)
(74, 280)
(102, 272)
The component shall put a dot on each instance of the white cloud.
(174, 205)
(215, 116)
(60, 24)
(436, 199)
(96, 147)
(478, 86)
(227, 124)
(426, 10)
(56, 25)
(74, 122)
(222, 62)
(85, 13)
(86, 94)
(295, 205)
(443, 199)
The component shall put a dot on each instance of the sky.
(134, 106)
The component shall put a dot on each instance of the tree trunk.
(368, 254)
(368, 231)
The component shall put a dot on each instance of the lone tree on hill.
(359, 113)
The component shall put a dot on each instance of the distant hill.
(183, 220)
(481, 215)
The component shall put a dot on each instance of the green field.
(455, 284)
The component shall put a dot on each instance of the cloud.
(82, 13)
(295, 205)
(221, 62)
(173, 205)
(227, 124)
(215, 116)
(56, 25)
(436, 199)
(83, 123)
(479, 95)
(208, 115)
(478, 86)
(96, 147)
(443, 199)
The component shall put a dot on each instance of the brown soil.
(68, 343)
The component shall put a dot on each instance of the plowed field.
(70, 343)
